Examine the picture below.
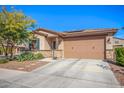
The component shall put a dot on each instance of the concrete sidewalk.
(67, 73)
(5, 73)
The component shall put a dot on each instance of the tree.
(15, 29)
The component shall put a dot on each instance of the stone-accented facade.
(110, 55)
(109, 47)
(111, 44)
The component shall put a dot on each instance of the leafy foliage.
(1, 49)
(15, 29)
(2, 61)
(119, 56)
(29, 56)
(38, 56)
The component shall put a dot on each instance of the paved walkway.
(66, 73)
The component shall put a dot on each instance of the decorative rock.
(20, 68)
(33, 64)
(28, 66)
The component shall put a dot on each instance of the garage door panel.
(84, 48)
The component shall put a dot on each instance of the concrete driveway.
(67, 73)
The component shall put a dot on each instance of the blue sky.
(67, 18)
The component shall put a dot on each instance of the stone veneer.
(109, 48)
(48, 53)
(110, 54)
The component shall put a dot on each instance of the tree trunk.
(11, 51)
(5, 50)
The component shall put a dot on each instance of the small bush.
(29, 56)
(38, 56)
(119, 56)
(2, 61)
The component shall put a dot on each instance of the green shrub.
(119, 56)
(2, 61)
(29, 56)
(25, 56)
(38, 56)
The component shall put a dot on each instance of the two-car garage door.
(84, 47)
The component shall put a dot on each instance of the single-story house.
(86, 44)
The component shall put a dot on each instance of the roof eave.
(49, 31)
(89, 34)
(39, 33)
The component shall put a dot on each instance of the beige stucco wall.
(61, 47)
(43, 43)
(45, 48)
(46, 44)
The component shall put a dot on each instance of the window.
(116, 41)
(37, 44)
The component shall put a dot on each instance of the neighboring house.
(17, 49)
(87, 44)
(118, 42)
